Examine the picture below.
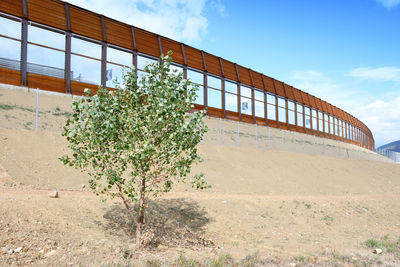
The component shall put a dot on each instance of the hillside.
(393, 146)
(279, 207)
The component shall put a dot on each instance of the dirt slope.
(289, 207)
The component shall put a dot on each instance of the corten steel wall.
(325, 119)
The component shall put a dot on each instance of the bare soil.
(283, 207)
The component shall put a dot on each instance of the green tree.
(137, 141)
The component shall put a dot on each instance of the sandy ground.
(289, 207)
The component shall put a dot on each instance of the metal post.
(314, 145)
(68, 62)
(24, 52)
(256, 137)
(238, 134)
(220, 131)
(37, 109)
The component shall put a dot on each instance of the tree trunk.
(140, 221)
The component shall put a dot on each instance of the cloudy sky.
(344, 51)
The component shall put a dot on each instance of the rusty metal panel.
(305, 98)
(289, 92)
(85, 23)
(257, 79)
(46, 83)
(298, 96)
(229, 70)
(312, 101)
(147, 42)
(119, 34)
(175, 47)
(10, 76)
(194, 58)
(244, 75)
(269, 84)
(213, 64)
(47, 12)
(12, 7)
(279, 88)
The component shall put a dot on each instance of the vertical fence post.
(37, 109)
(238, 134)
(220, 131)
(314, 145)
(256, 137)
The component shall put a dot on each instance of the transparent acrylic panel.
(281, 102)
(231, 87)
(245, 105)
(290, 105)
(271, 112)
(308, 120)
(258, 95)
(314, 123)
(231, 102)
(177, 70)
(10, 28)
(199, 95)
(245, 91)
(46, 61)
(326, 127)
(259, 109)
(214, 82)
(299, 108)
(321, 125)
(85, 48)
(331, 128)
(195, 76)
(142, 62)
(320, 115)
(10, 53)
(214, 98)
(46, 37)
(282, 114)
(119, 57)
(85, 69)
(300, 119)
(271, 99)
(313, 113)
(292, 119)
(114, 74)
(307, 110)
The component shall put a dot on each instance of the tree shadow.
(169, 222)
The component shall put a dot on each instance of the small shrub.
(152, 263)
(223, 260)
(182, 261)
(250, 260)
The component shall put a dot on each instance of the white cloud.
(321, 86)
(389, 3)
(182, 20)
(378, 74)
(381, 116)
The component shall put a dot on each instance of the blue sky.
(344, 51)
